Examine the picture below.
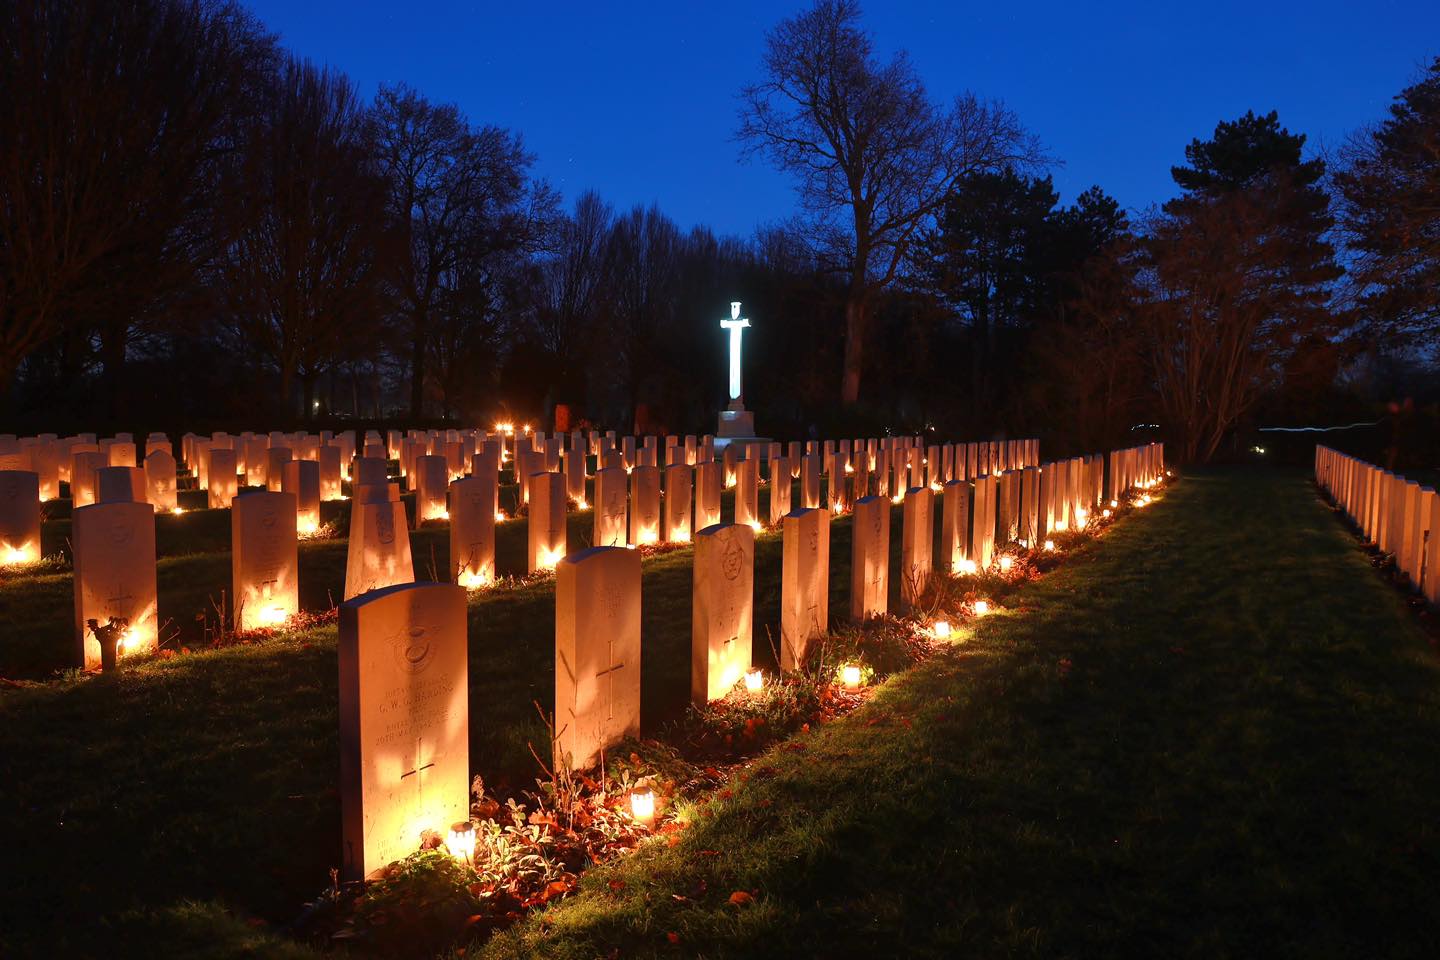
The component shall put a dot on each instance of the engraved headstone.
(114, 547)
(597, 653)
(264, 559)
(804, 584)
(722, 610)
(404, 721)
(870, 558)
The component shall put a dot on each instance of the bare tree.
(300, 281)
(456, 193)
(115, 124)
(874, 156)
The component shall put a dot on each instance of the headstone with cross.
(379, 547)
(709, 478)
(781, 485)
(870, 558)
(160, 480)
(404, 721)
(611, 507)
(264, 559)
(472, 530)
(222, 480)
(546, 524)
(804, 583)
(645, 519)
(917, 547)
(597, 653)
(114, 546)
(679, 488)
(722, 610)
(954, 525)
(430, 481)
(747, 490)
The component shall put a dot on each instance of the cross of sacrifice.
(736, 325)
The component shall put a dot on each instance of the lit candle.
(982, 607)
(642, 805)
(850, 675)
(754, 680)
(1049, 546)
(461, 841)
(941, 629)
(1006, 562)
(969, 567)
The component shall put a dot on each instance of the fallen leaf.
(673, 937)
(741, 898)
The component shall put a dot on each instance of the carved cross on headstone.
(608, 674)
(418, 772)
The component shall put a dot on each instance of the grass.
(1214, 735)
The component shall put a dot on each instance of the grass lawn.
(1213, 734)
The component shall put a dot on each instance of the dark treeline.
(198, 229)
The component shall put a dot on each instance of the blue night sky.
(638, 100)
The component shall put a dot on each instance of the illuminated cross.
(736, 325)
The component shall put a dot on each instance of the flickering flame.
(308, 527)
(14, 555)
(1114, 503)
(756, 526)
(500, 516)
(1061, 525)
(1081, 515)
(649, 535)
(582, 504)
(850, 675)
(126, 638)
(549, 558)
(982, 607)
(176, 511)
(838, 507)
(849, 468)
(1105, 513)
(473, 579)
(642, 805)
(444, 514)
(506, 428)
(898, 498)
(1145, 500)
(1049, 546)
(754, 680)
(936, 486)
(273, 615)
(527, 428)
(461, 841)
(941, 629)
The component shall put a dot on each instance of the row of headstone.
(1397, 515)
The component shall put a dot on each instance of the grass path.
(1216, 736)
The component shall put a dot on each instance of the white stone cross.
(736, 325)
